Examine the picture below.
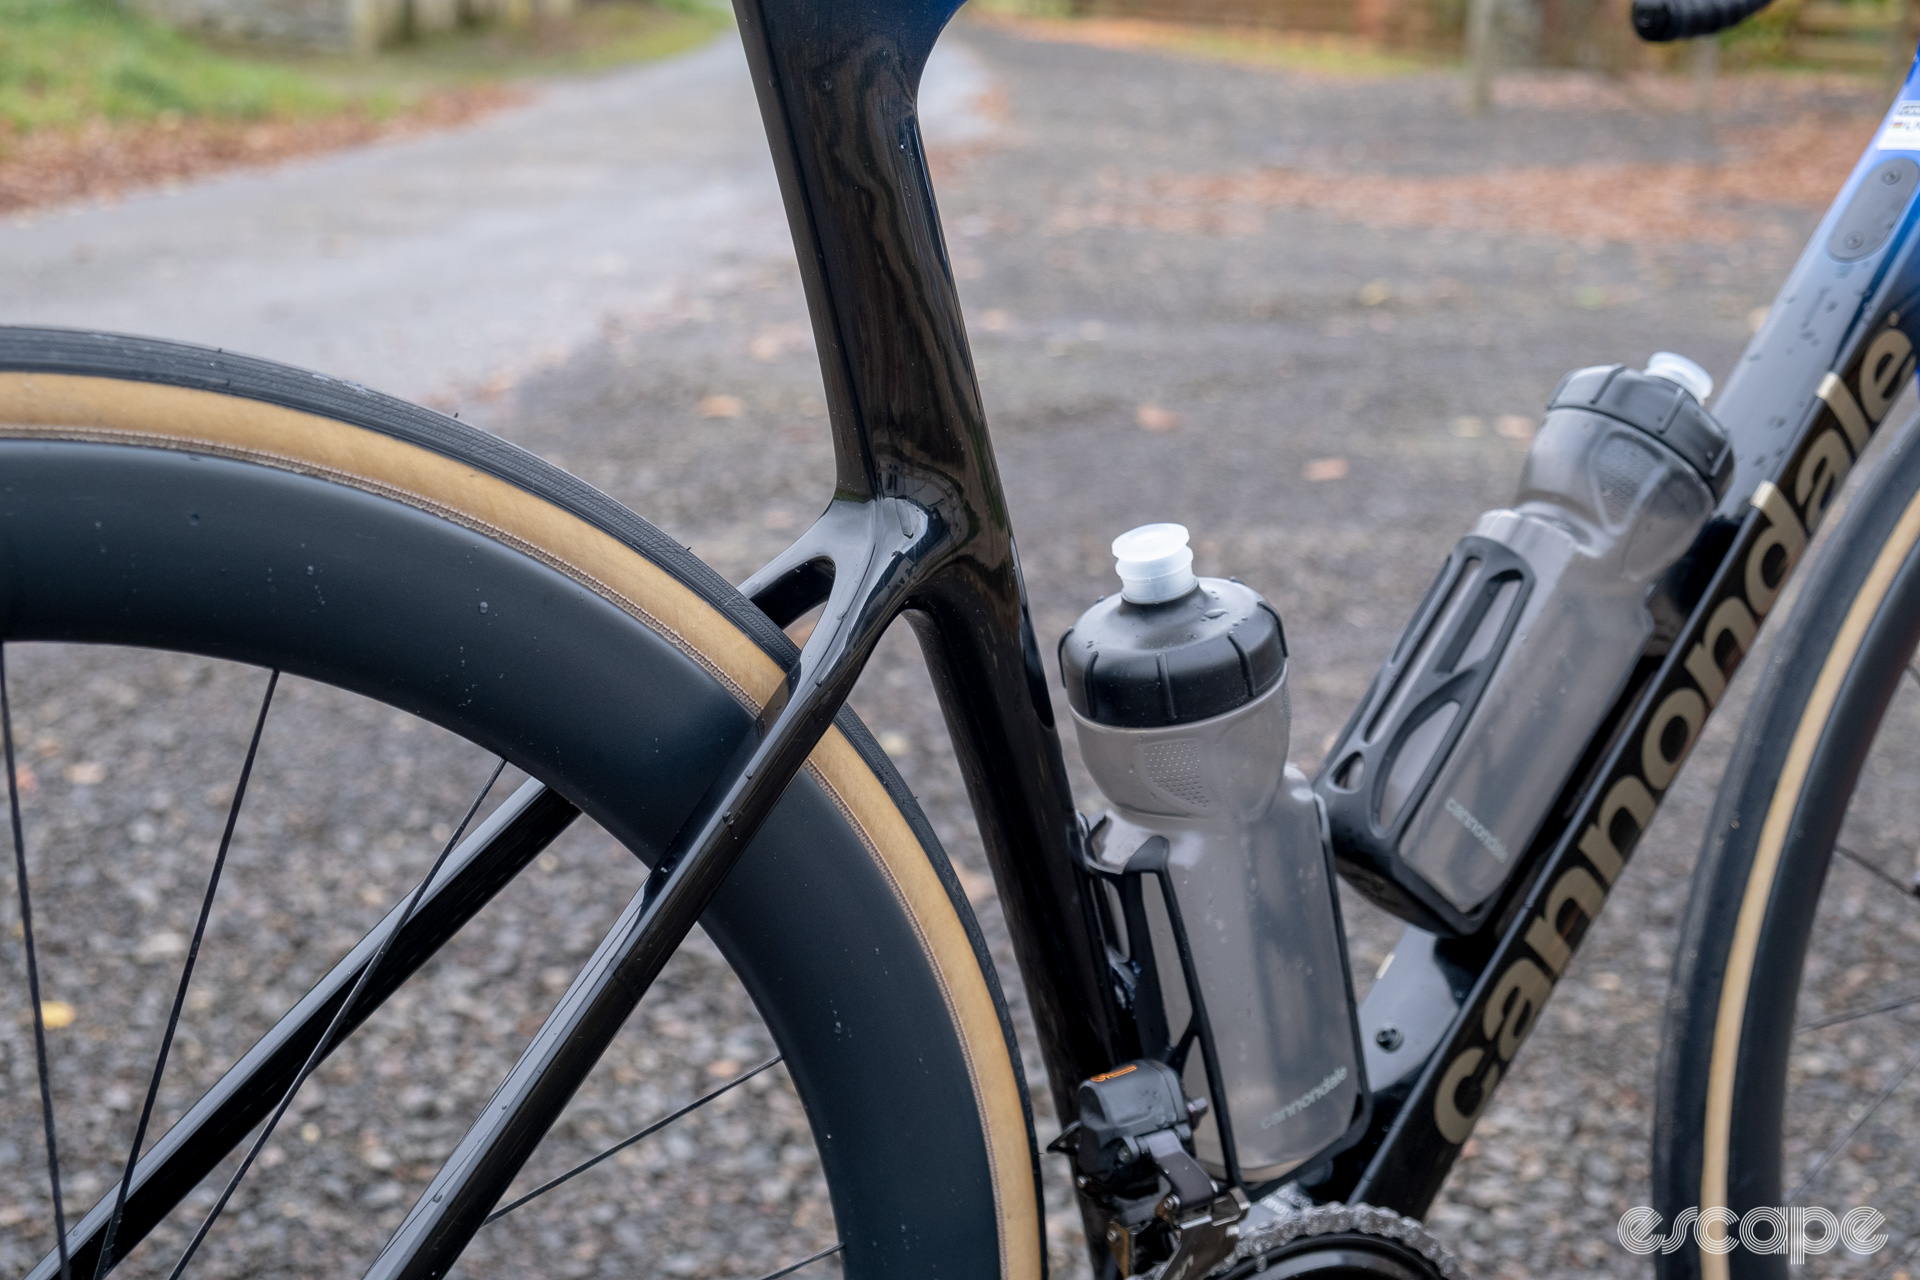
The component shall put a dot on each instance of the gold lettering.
(1519, 994)
(1685, 706)
(1549, 945)
(1783, 531)
(1825, 466)
(1454, 1125)
(1577, 887)
(1631, 796)
(1734, 620)
(1846, 409)
(1886, 368)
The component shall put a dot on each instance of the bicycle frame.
(836, 88)
(918, 524)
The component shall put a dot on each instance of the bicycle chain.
(1294, 1217)
(1291, 1216)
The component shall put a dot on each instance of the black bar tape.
(1659, 21)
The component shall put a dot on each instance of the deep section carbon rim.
(895, 1143)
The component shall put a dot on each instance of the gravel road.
(1326, 399)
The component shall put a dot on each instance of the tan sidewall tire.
(1730, 1014)
(464, 485)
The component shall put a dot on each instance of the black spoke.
(1905, 890)
(326, 1040)
(33, 972)
(186, 974)
(827, 1252)
(493, 854)
(1902, 1257)
(624, 1143)
(1888, 1007)
(1840, 1142)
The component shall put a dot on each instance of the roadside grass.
(69, 63)
(601, 34)
(97, 100)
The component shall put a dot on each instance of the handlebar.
(1659, 21)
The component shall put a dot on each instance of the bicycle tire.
(149, 491)
(1840, 660)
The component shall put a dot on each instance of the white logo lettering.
(1306, 1099)
(1478, 830)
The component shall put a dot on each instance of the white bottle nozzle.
(1154, 563)
(1682, 372)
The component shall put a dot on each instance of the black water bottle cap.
(1146, 666)
(1659, 404)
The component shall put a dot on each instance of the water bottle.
(1178, 686)
(1523, 645)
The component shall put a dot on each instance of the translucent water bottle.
(1179, 695)
(1523, 645)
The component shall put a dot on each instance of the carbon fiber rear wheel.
(222, 519)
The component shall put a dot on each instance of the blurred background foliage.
(1859, 36)
(75, 63)
(69, 62)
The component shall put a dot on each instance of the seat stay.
(887, 548)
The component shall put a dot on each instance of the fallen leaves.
(1322, 469)
(163, 945)
(102, 161)
(721, 406)
(1151, 417)
(777, 342)
(1799, 165)
(87, 773)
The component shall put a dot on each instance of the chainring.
(1286, 1236)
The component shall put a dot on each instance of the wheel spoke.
(327, 1037)
(1889, 1006)
(592, 1010)
(827, 1252)
(1840, 1142)
(186, 973)
(1900, 1258)
(33, 973)
(624, 1143)
(498, 850)
(1905, 890)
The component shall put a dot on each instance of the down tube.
(1813, 386)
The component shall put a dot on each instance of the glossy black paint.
(1800, 408)
(837, 83)
(897, 538)
(606, 711)
(918, 525)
